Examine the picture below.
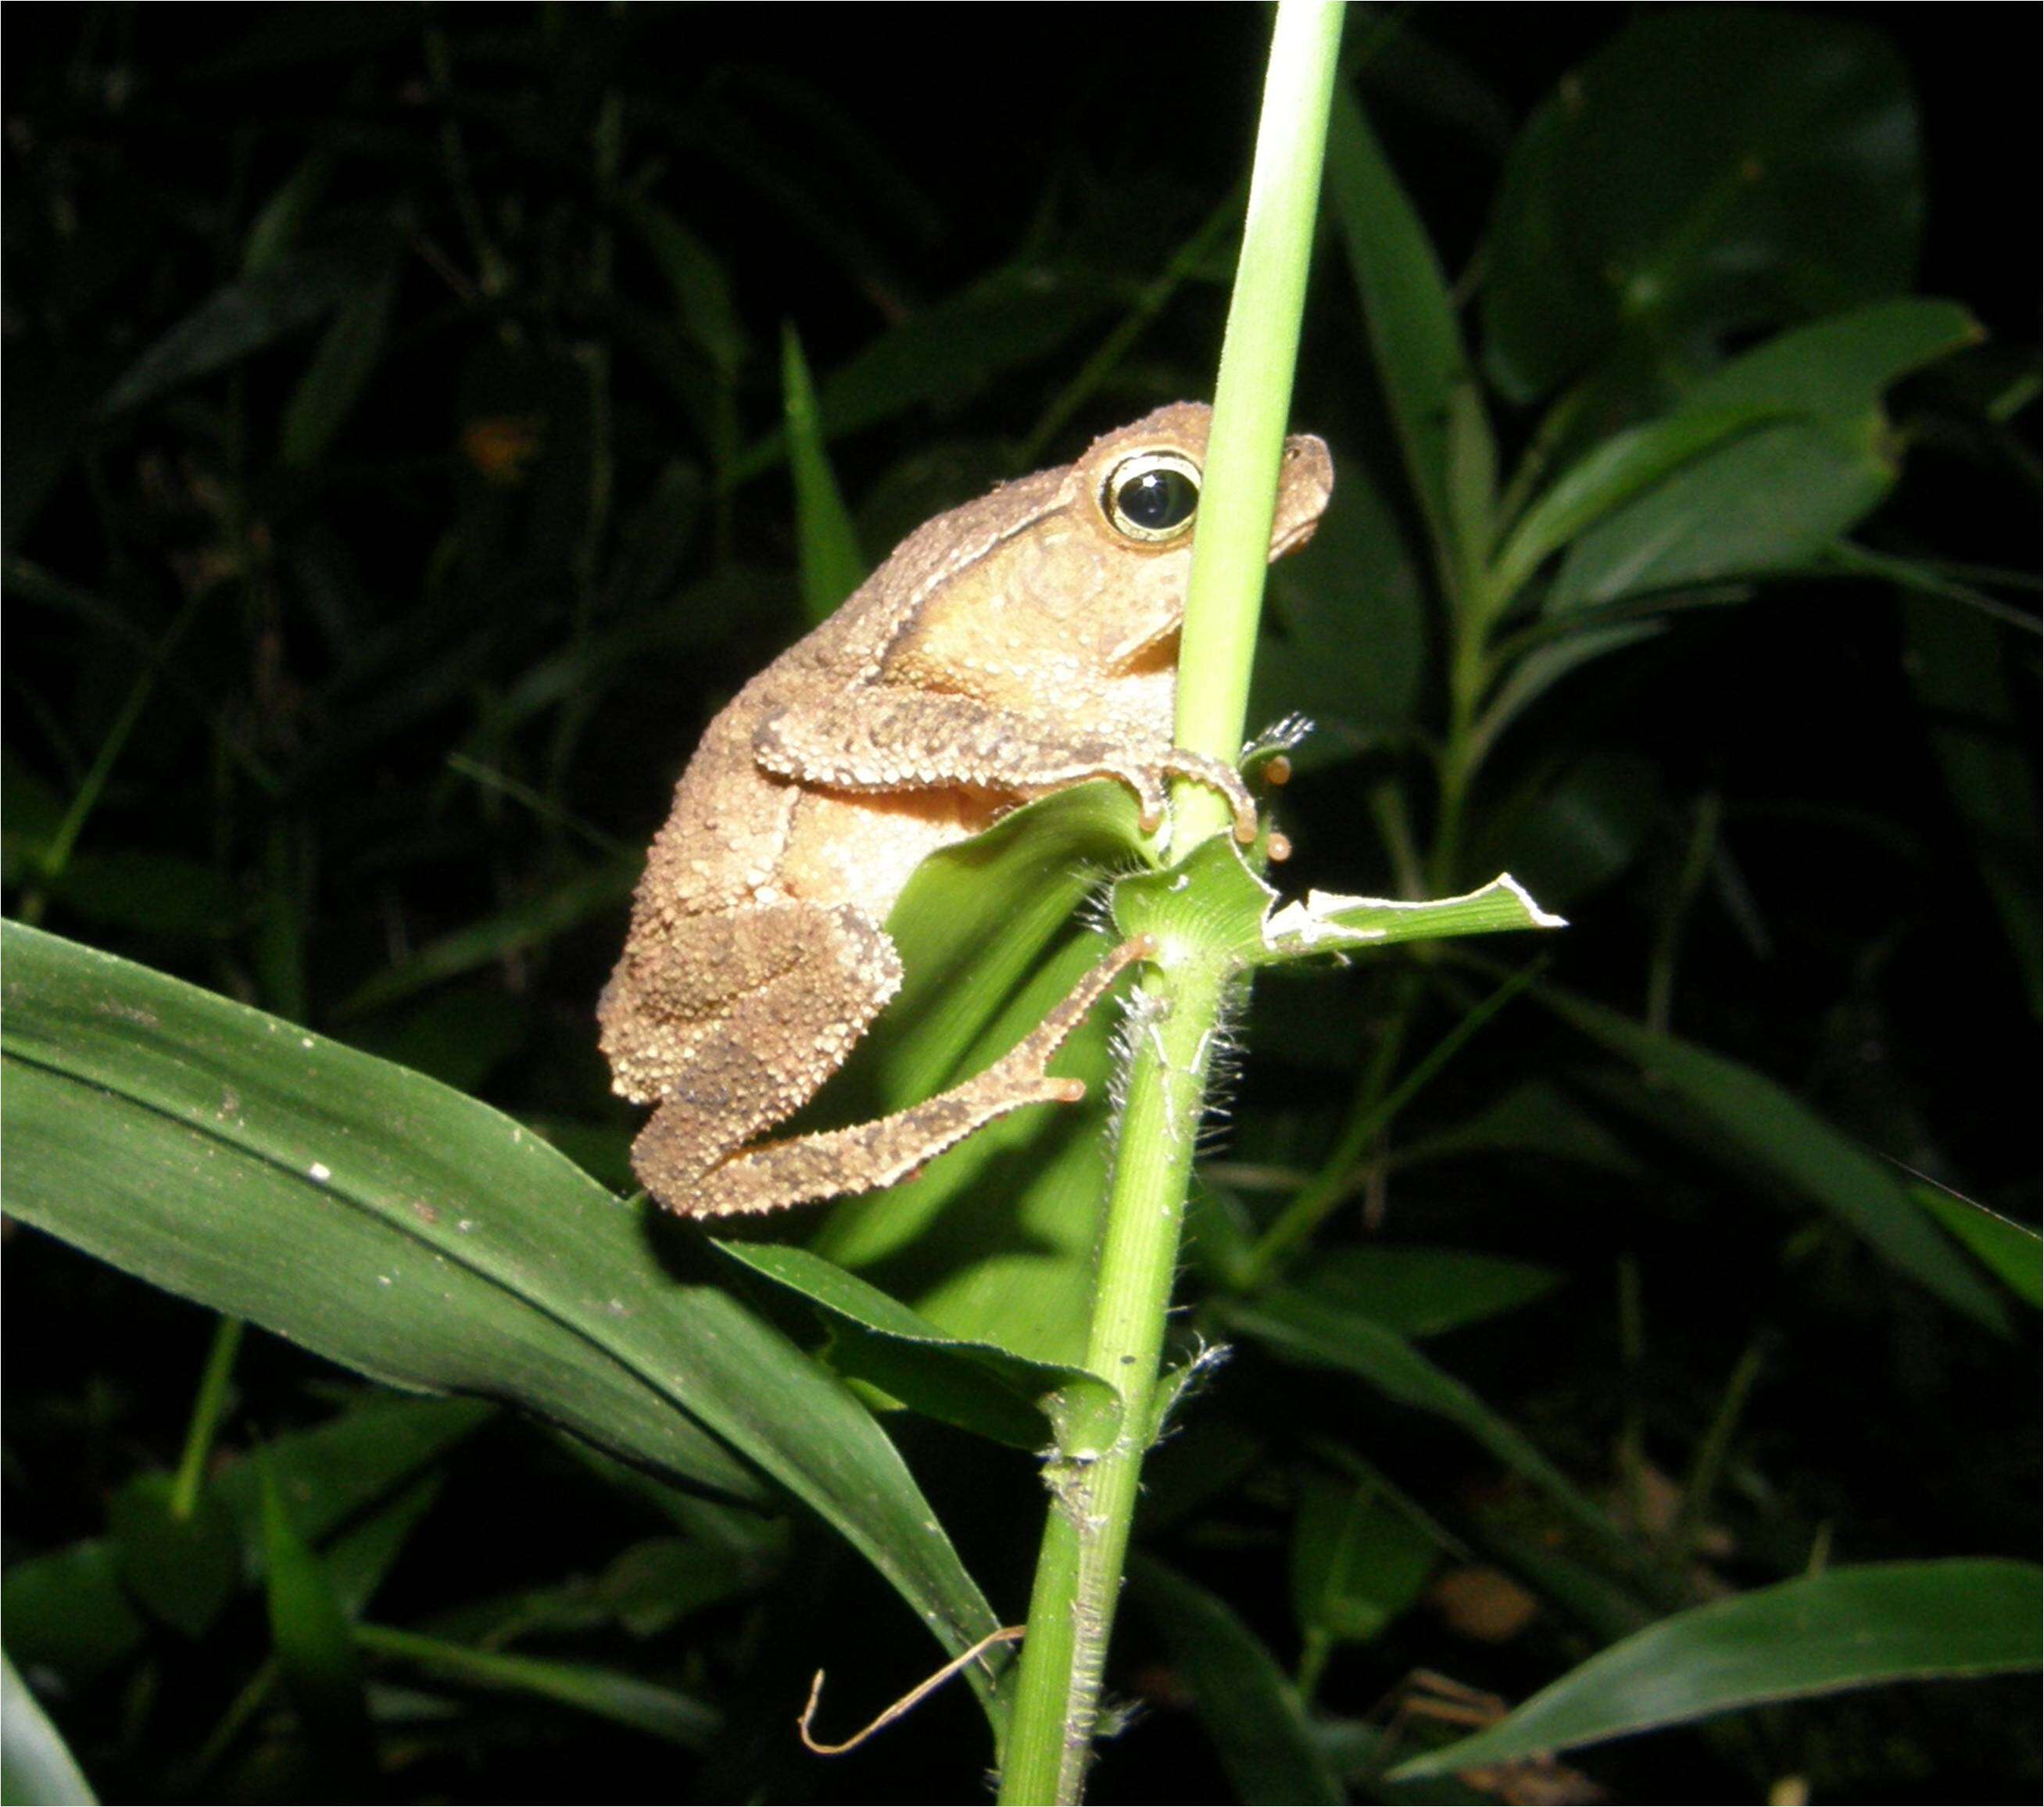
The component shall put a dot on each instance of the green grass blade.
(1300, 1327)
(1850, 1627)
(396, 1226)
(1412, 328)
(2010, 1250)
(832, 566)
(665, 1712)
(1776, 1128)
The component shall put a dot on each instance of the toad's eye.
(1152, 497)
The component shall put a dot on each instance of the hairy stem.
(1094, 1493)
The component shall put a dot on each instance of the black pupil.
(1157, 499)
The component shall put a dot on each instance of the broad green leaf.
(1776, 497)
(977, 1386)
(184, 1569)
(1774, 1127)
(1418, 347)
(1608, 477)
(1849, 1628)
(1213, 906)
(1838, 366)
(1357, 1561)
(240, 318)
(993, 1242)
(2010, 1252)
(1713, 169)
(1422, 1292)
(401, 1229)
(1300, 1327)
(1252, 1713)
(832, 566)
(665, 1712)
(36, 1767)
(312, 1640)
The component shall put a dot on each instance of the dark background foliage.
(442, 534)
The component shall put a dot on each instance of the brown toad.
(1016, 646)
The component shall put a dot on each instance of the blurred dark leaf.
(1357, 1561)
(1422, 1292)
(1954, 658)
(184, 1569)
(1421, 358)
(1564, 837)
(330, 1476)
(1250, 1711)
(67, 1612)
(949, 351)
(666, 1713)
(156, 894)
(1785, 1135)
(1300, 1327)
(459, 1037)
(523, 926)
(313, 1643)
(243, 317)
(1744, 166)
(341, 367)
(1344, 630)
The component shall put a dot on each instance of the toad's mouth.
(1293, 537)
(1158, 653)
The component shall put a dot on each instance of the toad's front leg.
(880, 740)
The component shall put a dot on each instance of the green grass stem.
(1093, 1495)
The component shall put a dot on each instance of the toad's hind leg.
(866, 1157)
(733, 1026)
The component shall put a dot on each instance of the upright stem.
(1092, 1501)
(1094, 1493)
(207, 1411)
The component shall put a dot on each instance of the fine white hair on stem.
(1281, 736)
